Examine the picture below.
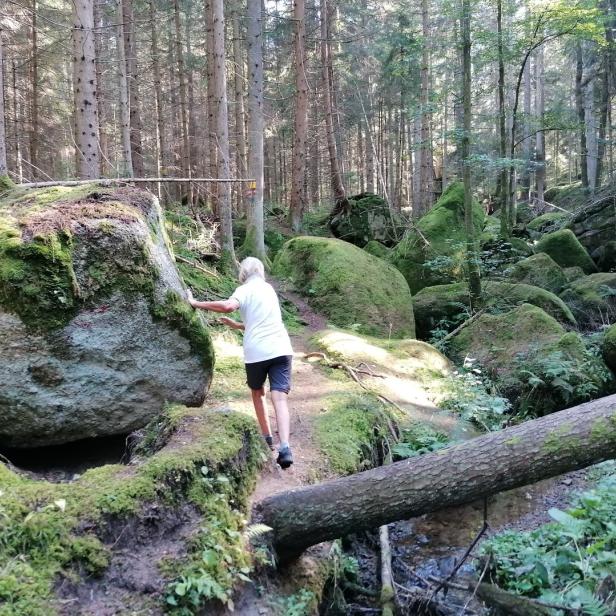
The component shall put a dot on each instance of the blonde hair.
(250, 266)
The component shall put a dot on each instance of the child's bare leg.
(279, 399)
(258, 400)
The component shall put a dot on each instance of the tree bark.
(211, 118)
(298, 172)
(132, 80)
(158, 97)
(579, 106)
(498, 461)
(474, 280)
(34, 101)
(540, 113)
(427, 168)
(100, 26)
(84, 89)
(3, 164)
(338, 189)
(502, 145)
(255, 242)
(127, 157)
(240, 137)
(221, 126)
(179, 52)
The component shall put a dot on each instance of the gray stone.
(112, 363)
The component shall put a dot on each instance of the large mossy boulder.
(534, 362)
(595, 225)
(95, 337)
(565, 249)
(446, 306)
(546, 223)
(366, 217)
(539, 270)
(605, 256)
(351, 287)
(592, 299)
(434, 250)
(608, 348)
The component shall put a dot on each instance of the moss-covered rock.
(608, 348)
(351, 287)
(573, 273)
(366, 217)
(592, 299)
(520, 246)
(93, 327)
(605, 256)
(533, 361)
(447, 305)
(546, 223)
(434, 251)
(162, 512)
(376, 249)
(565, 249)
(539, 270)
(595, 224)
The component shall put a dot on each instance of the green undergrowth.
(46, 529)
(570, 561)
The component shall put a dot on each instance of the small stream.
(427, 549)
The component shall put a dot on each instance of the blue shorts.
(278, 369)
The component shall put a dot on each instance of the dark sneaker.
(270, 442)
(285, 458)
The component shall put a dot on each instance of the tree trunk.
(34, 101)
(474, 280)
(179, 52)
(540, 112)
(240, 137)
(298, 173)
(84, 88)
(158, 97)
(502, 145)
(211, 119)
(603, 116)
(132, 80)
(579, 106)
(498, 461)
(255, 243)
(591, 134)
(427, 169)
(221, 126)
(527, 143)
(336, 176)
(3, 164)
(126, 168)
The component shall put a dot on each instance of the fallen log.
(499, 461)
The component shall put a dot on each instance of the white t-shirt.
(265, 336)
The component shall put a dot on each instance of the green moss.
(37, 280)
(539, 270)
(592, 299)
(352, 288)
(550, 221)
(42, 524)
(565, 249)
(443, 228)
(560, 439)
(376, 249)
(447, 305)
(608, 348)
(348, 432)
(176, 312)
(6, 183)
